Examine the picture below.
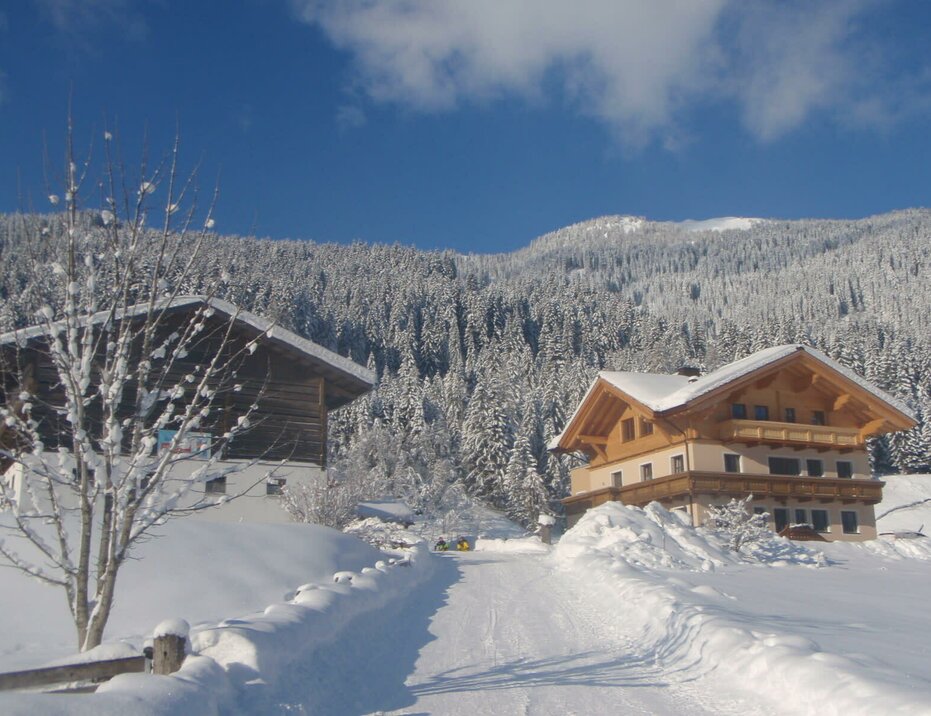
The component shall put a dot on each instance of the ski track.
(542, 649)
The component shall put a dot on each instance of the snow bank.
(263, 646)
(519, 545)
(654, 538)
(344, 578)
(637, 562)
(201, 571)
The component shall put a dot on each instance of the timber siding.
(296, 382)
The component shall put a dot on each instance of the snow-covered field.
(631, 609)
(847, 634)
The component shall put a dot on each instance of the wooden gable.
(805, 385)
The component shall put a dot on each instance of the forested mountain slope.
(482, 357)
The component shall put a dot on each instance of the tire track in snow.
(517, 637)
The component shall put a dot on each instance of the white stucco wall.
(245, 498)
(602, 476)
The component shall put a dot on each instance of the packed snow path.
(497, 633)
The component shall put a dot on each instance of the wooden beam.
(842, 401)
(871, 427)
(593, 439)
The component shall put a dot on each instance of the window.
(814, 468)
(760, 412)
(646, 428)
(273, 485)
(801, 517)
(848, 519)
(784, 466)
(819, 521)
(759, 510)
(216, 486)
(677, 462)
(790, 415)
(627, 429)
(646, 471)
(617, 478)
(732, 463)
(844, 468)
(738, 411)
(781, 518)
(817, 417)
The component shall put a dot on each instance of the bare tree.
(110, 364)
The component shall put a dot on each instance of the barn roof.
(352, 378)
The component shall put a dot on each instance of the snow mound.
(520, 545)
(655, 538)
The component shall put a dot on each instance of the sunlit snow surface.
(632, 612)
(723, 223)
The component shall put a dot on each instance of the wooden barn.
(299, 383)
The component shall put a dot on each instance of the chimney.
(689, 371)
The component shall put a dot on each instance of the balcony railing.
(764, 431)
(782, 487)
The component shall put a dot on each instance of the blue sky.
(480, 125)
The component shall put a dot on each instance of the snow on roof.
(386, 510)
(263, 325)
(663, 393)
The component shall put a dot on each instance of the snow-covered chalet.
(786, 424)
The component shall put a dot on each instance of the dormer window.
(817, 417)
(790, 415)
(646, 428)
(627, 430)
(760, 412)
(738, 411)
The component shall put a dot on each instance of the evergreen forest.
(482, 358)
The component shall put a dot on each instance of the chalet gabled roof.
(664, 394)
(351, 377)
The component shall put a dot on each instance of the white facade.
(248, 492)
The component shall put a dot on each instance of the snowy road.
(496, 633)
(517, 637)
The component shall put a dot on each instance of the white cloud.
(637, 65)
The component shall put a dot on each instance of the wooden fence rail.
(165, 657)
(88, 671)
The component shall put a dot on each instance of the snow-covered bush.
(382, 535)
(738, 523)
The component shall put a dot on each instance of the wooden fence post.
(169, 654)
(169, 642)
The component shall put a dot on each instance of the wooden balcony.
(791, 434)
(725, 484)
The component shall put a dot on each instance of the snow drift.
(637, 561)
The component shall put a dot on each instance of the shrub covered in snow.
(381, 534)
(738, 524)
